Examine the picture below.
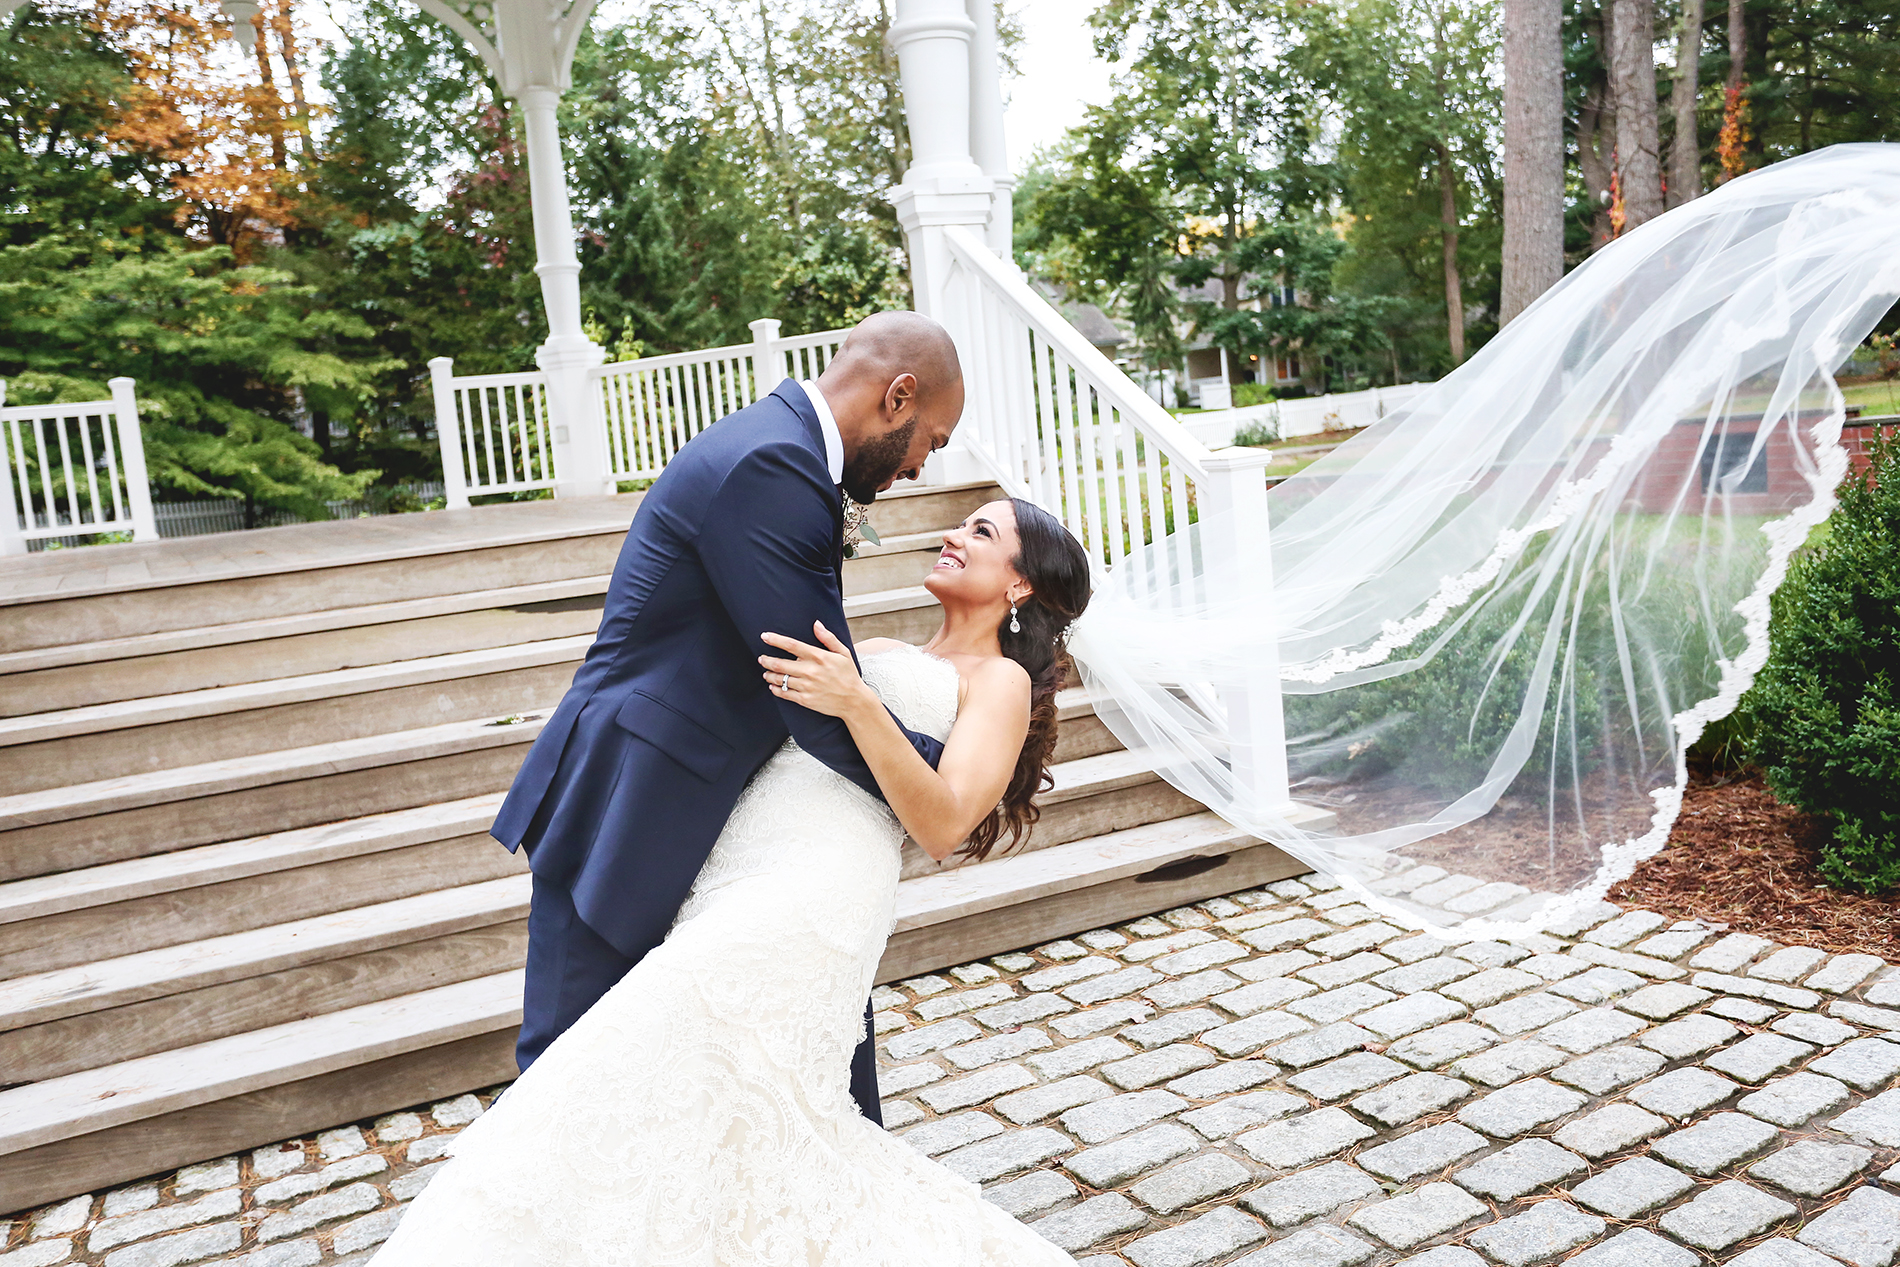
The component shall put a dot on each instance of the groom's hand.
(822, 678)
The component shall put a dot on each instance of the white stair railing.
(497, 437)
(1057, 423)
(73, 470)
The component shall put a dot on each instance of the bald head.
(886, 344)
(896, 390)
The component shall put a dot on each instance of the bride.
(700, 1113)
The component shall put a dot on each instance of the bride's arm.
(940, 807)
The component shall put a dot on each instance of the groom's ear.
(900, 398)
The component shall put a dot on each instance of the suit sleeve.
(766, 543)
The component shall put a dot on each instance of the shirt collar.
(828, 426)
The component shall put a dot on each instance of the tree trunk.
(1633, 84)
(1533, 152)
(1596, 137)
(1454, 288)
(270, 103)
(293, 70)
(1737, 45)
(1685, 151)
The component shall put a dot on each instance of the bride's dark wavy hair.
(1057, 569)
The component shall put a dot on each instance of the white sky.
(1060, 75)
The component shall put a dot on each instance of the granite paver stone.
(1610, 1129)
(1863, 1230)
(1720, 1216)
(1809, 1168)
(1311, 1193)
(1216, 1234)
(1417, 1217)
(1520, 1108)
(1538, 1235)
(1111, 1165)
(1683, 1093)
(1792, 1100)
(1421, 1152)
(1521, 1168)
(1190, 1183)
(1716, 1143)
(1635, 1248)
(1297, 1141)
(1632, 1188)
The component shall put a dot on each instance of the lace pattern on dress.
(700, 1114)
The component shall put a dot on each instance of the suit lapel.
(793, 394)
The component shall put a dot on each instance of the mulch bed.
(1739, 857)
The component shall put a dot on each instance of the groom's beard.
(877, 462)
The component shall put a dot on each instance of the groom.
(623, 794)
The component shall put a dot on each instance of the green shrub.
(1246, 394)
(1257, 434)
(1440, 725)
(1826, 708)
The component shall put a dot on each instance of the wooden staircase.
(246, 886)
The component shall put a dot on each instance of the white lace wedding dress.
(700, 1113)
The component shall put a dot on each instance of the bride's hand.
(824, 679)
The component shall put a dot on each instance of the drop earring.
(1015, 626)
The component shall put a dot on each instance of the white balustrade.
(494, 432)
(74, 470)
(498, 432)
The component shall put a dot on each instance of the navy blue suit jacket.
(627, 787)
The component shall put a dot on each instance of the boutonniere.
(857, 527)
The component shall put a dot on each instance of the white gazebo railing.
(497, 437)
(74, 470)
(494, 432)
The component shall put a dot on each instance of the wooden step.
(169, 662)
(116, 592)
(82, 674)
(1026, 898)
(90, 1129)
(896, 562)
(125, 906)
(109, 741)
(929, 508)
(103, 1126)
(107, 1010)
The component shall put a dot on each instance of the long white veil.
(1503, 614)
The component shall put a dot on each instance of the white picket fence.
(1303, 416)
(74, 470)
(497, 437)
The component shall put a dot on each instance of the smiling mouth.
(949, 561)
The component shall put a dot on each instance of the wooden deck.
(91, 570)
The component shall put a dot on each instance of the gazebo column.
(987, 144)
(943, 186)
(580, 443)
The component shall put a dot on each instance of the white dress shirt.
(834, 440)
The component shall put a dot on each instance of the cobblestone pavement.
(1277, 1079)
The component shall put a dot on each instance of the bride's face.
(974, 567)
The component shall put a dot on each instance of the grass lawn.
(1874, 398)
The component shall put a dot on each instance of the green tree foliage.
(216, 350)
(1825, 710)
(61, 84)
(1421, 130)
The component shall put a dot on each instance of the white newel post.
(768, 361)
(138, 488)
(448, 433)
(11, 514)
(943, 187)
(1236, 534)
